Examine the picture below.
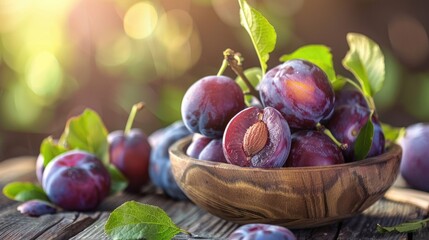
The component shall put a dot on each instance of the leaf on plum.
(24, 191)
(49, 149)
(261, 32)
(366, 61)
(88, 133)
(118, 181)
(364, 140)
(133, 220)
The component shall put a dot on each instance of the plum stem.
(234, 61)
(327, 132)
(223, 67)
(136, 107)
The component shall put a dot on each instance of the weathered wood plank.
(386, 213)
(95, 230)
(329, 232)
(185, 214)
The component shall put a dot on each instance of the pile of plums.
(296, 98)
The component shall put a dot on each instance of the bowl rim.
(178, 149)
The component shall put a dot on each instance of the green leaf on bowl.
(319, 55)
(88, 133)
(404, 227)
(118, 181)
(364, 140)
(261, 32)
(49, 149)
(366, 61)
(133, 220)
(24, 191)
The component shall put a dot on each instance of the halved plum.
(257, 138)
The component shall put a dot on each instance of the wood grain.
(187, 215)
(294, 197)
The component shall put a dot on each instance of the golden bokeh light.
(44, 75)
(175, 28)
(114, 52)
(140, 20)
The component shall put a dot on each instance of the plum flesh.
(300, 91)
(313, 148)
(257, 138)
(210, 103)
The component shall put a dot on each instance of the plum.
(213, 152)
(36, 208)
(257, 138)
(160, 166)
(300, 91)
(313, 148)
(130, 152)
(346, 124)
(76, 180)
(204, 148)
(415, 151)
(199, 142)
(258, 231)
(350, 97)
(210, 103)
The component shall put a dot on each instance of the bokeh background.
(59, 57)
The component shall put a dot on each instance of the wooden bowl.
(301, 197)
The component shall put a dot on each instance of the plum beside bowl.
(301, 197)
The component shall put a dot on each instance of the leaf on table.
(366, 61)
(118, 181)
(24, 191)
(49, 149)
(404, 227)
(364, 140)
(88, 133)
(261, 32)
(133, 220)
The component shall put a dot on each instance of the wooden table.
(90, 225)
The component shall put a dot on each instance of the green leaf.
(24, 191)
(254, 75)
(391, 133)
(88, 133)
(339, 82)
(364, 140)
(133, 220)
(366, 61)
(49, 149)
(261, 32)
(118, 181)
(317, 54)
(404, 227)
